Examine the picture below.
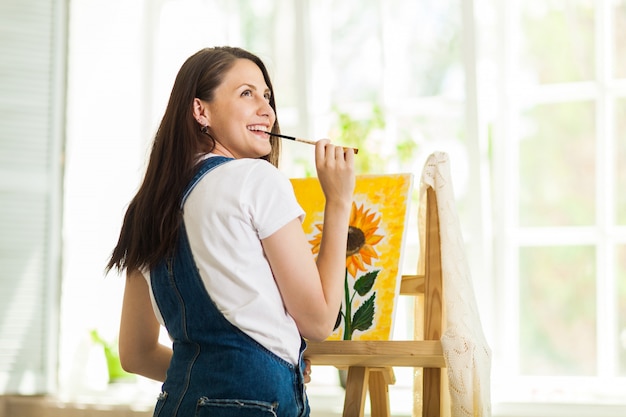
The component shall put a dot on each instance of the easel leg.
(379, 394)
(356, 390)
(432, 392)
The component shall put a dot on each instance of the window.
(559, 228)
(527, 96)
(32, 85)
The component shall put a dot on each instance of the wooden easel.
(370, 363)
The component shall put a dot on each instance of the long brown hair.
(150, 228)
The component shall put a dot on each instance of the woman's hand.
(335, 171)
(307, 371)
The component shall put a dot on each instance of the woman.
(214, 250)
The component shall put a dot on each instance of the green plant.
(356, 132)
(114, 366)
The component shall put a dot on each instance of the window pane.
(422, 49)
(559, 40)
(425, 38)
(436, 123)
(620, 168)
(620, 37)
(557, 165)
(255, 19)
(356, 51)
(621, 288)
(557, 311)
(621, 306)
(267, 29)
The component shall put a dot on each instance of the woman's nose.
(265, 109)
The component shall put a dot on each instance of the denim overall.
(216, 370)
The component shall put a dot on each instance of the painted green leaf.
(364, 284)
(364, 316)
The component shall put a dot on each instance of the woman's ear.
(201, 112)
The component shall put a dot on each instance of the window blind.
(32, 90)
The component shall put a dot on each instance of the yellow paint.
(388, 197)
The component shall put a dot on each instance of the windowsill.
(97, 398)
(325, 402)
(559, 396)
(558, 410)
(37, 406)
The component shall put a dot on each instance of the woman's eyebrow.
(253, 87)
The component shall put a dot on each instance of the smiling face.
(240, 112)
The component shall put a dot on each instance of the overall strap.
(205, 166)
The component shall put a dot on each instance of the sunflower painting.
(373, 251)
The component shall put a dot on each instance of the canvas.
(376, 237)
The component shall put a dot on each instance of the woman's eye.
(267, 96)
(247, 93)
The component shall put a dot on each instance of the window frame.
(509, 236)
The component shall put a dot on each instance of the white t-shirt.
(226, 215)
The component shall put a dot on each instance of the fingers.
(335, 171)
(327, 153)
(320, 149)
(307, 371)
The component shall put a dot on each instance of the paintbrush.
(309, 141)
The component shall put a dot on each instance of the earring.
(204, 129)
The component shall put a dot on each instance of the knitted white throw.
(467, 355)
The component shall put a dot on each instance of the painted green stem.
(347, 328)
